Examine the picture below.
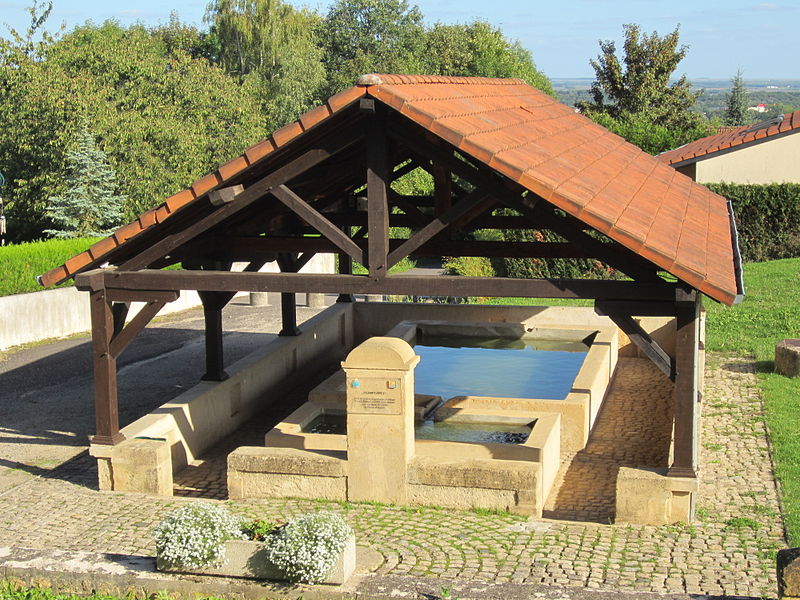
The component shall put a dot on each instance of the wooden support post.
(346, 266)
(288, 264)
(289, 315)
(442, 188)
(377, 184)
(213, 303)
(686, 391)
(106, 408)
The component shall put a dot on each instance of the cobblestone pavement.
(730, 551)
(628, 432)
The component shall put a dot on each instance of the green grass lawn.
(770, 312)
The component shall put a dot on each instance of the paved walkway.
(729, 552)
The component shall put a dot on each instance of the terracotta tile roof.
(731, 138)
(569, 161)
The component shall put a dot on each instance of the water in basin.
(447, 431)
(504, 368)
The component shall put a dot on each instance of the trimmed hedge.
(21, 263)
(767, 217)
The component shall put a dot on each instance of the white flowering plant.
(194, 535)
(306, 548)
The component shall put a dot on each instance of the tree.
(643, 85)
(273, 45)
(639, 96)
(90, 207)
(163, 117)
(368, 36)
(736, 102)
(479, 50)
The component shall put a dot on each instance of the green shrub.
(469, 266)
(549, 268)
(21, 263)
(767, 217)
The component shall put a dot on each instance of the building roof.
(533, 140)
(733, 138)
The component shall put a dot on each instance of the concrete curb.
(64, 571)
(60, 312)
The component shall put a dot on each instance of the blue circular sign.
(2, 180)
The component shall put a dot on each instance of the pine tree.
(736, 102)
(90, 207)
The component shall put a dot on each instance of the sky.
(722, 35)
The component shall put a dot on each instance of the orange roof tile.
(731, 138)
(543, 145)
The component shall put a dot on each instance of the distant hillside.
(779, 95)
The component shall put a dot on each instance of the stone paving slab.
(124, 575)
(730, 551)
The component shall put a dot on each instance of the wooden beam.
(317, 221)
(413, 212)
(686, 392)
(636, 309)
(120, 341)
(476, 199)
(398, 284)
(442, 188)
(398, 220)
(649, 347)
(238, 249)
(615, 255)
(224, 195)
(404, 169)
(106, 410)
(377, 199)
(328, 147)
(345, 267)
(142, 295)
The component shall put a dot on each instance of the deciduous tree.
(636, 88)
(275, 47)
(477, 49)
(367, 36)
(163, 117)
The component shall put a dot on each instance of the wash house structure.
(502, 155)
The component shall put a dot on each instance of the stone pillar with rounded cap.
(380, 419)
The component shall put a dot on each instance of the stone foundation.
(649, 497)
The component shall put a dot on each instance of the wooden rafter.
(476, 200)
(327, 148)
(318, 221)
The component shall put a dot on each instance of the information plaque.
(375, 395)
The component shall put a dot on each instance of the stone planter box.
(248, 559)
